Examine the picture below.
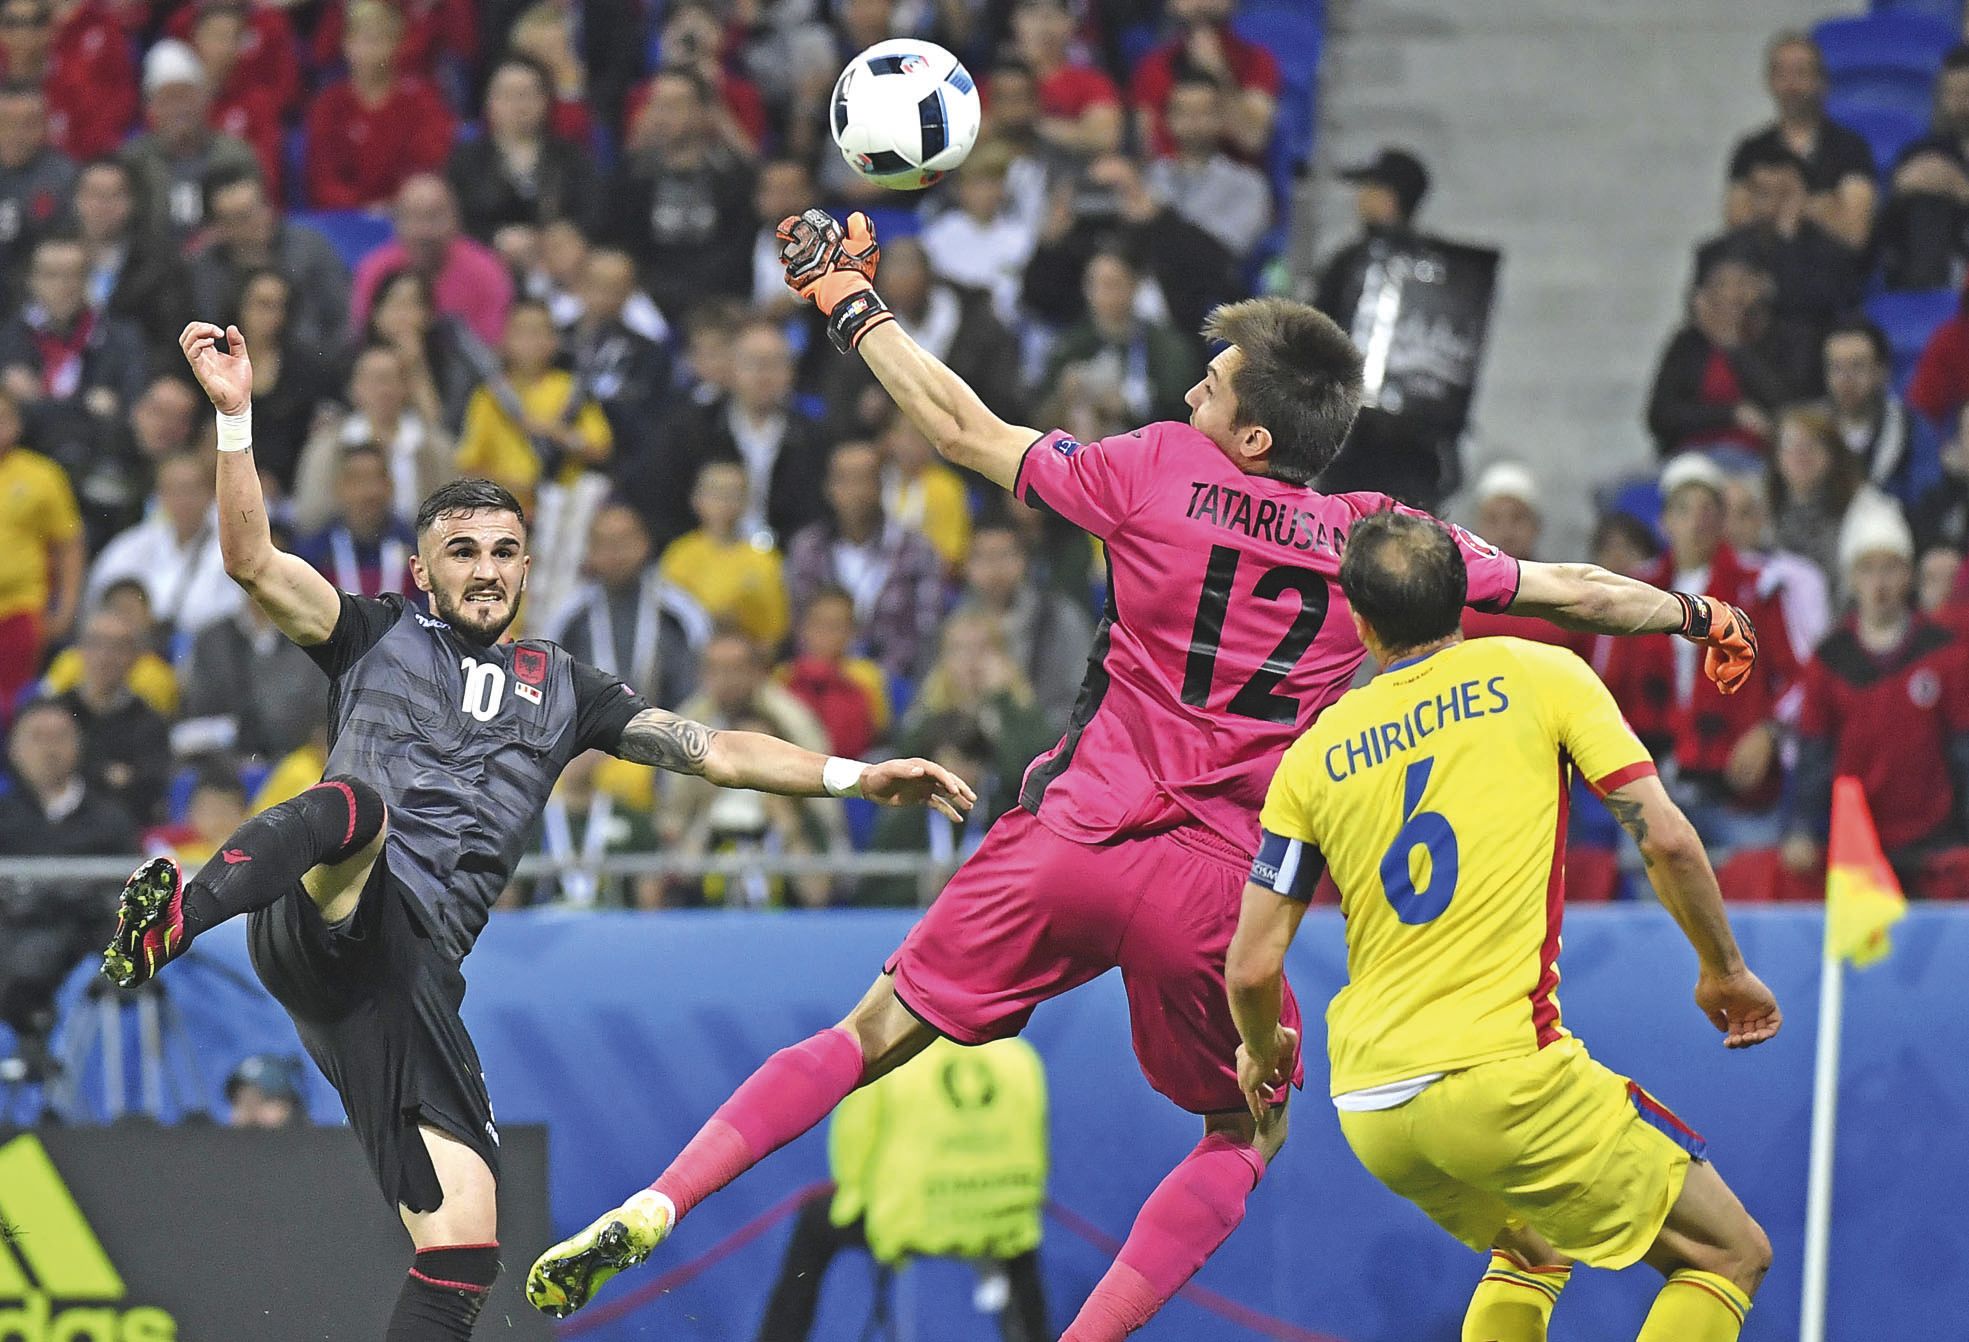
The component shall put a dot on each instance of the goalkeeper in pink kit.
(1225, 635)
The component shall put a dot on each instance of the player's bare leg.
(338, 823)
(1513, 1302)
(457, 1247)
(1714, 1256)
(1192, 1211)
(790, 1093)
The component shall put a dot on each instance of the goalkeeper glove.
(835, 271)
(1727, 636)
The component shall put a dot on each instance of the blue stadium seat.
(253, 776)
(1898, 40)
(1909, 318)
(1948, 11)
(355, 233)
(1639, 497)
(1887, 130)
(1910, 93)
(177, 795)
(1292, 34)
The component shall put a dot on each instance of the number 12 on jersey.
(1256, 698)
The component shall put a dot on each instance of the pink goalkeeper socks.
(793, 1090)
(1192, 1211)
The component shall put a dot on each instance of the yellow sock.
(1513, 1303)
(1696, 1307)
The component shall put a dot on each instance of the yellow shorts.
(1551, 1140)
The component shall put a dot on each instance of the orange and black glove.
(835, 271)
(1728, 637)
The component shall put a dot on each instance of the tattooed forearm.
(666, 741)
(1628, 813)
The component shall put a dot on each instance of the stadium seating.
(1909, 318)
(355, 233)
(1949, 11)
(1892, 42)
(1887, 129)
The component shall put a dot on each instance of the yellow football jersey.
(1436, 795)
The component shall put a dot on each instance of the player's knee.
(447, 1287)
(1270, 1136)
(367, 817)
(1749, 1256)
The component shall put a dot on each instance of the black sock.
(330, 822)
(444, 1293)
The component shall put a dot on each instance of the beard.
(474, 621)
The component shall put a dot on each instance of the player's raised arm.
(835, 270)
(1733, 998)
(768, 764)
(1599, 601)
(302, 604)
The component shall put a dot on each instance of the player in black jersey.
(366, 892)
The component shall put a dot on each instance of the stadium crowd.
(534, 241)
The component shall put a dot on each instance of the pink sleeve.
(1493, 574)
(1095, 486)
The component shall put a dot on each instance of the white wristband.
(236, 431)
(842, 778)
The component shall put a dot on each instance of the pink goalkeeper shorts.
(1033, 915)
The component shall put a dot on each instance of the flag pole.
(1825, 1120)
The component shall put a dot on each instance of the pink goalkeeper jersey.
(1225, 634)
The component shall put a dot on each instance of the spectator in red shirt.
(1886, 700)
(245, 105)
(1724, 748)
(434, 31)
(373, 130)
(1080, 107)
(1940, 385)
(269, 55)
(1507, 515)
(1207, 48)
(844, 691)
(79, 55)
(468, 279)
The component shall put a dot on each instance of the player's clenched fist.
(1726, 634)
(1264, 1079)
(834, 269)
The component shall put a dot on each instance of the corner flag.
(1862, 895)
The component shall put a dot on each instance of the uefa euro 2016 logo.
(56, 1283)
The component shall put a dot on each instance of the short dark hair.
(1770, 156)
(831, 591)
(1404, 573)
(1883, 349)
(1957, 57)
(533, 65)
(225, 177)
(1300, 378)
(220, 775)
(469, 495)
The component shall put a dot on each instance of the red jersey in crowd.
(1890, 720)
(246, 112)
(1252, 66)
(1940, 384)
(1070, 90)
(1503, 624)
(431, 28)
(1226, 632)
(840, 703)
(90, 83)
(269, 56)
(1660, 686)
(358, 155)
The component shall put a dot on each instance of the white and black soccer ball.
(904, 113)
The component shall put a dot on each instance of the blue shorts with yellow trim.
(1551, 1140)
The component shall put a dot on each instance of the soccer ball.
(904, 113)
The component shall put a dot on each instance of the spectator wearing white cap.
(180, 147)
(1720, 753)
(1505, 512)
(1885, 701)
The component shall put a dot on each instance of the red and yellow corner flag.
(1863, 897)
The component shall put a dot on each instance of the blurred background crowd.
(534, 241)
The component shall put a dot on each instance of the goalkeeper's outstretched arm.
(943, 407)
